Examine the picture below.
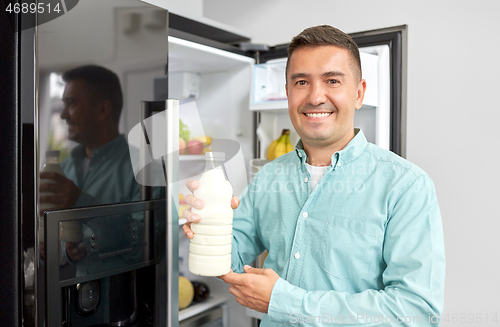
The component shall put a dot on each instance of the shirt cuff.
(285, 302)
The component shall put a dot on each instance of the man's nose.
(64, 113)
(317, 94)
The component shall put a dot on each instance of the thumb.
(235, 202)
(250, 270)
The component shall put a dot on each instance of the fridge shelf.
(191, 157)
(254, 314)
(194, 309)
(272, 106)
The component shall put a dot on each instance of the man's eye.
(301, 82)
(333, 81)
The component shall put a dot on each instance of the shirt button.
(304, 215)
(306, 179)
(297, 255)
(300, 154)
(339, 164)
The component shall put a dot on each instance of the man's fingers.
(233, 278)
(235, 291)
(47, 175)
(49, 187)
(251, 270)
(54, 199)
(235, 202)
(192, 185)
(193, 201)
(190, 217)
(187, 230)
(54, 176)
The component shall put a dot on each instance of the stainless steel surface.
(172, 199)
(55, 278)
(95, 34)
(29, 114)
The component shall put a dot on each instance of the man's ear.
(360, 95)
(105, 110)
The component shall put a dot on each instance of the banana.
(272, 148)
(280, 147)
(289, 146)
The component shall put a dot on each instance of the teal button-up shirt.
(365, 248)
(110, 178)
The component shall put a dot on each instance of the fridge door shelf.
(196, 308)
(271, 106)
(269, 81)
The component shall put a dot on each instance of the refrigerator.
(224, 86)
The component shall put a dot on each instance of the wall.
(452, 115)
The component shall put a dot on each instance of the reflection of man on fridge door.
(352, 230)
(99, 170)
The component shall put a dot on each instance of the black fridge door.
(10, 276)
(83, 77)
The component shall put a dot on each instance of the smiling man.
(99, 170)
(353, 232)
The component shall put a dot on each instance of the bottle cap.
(52, 153)
(220, 156)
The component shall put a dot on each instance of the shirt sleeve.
(414, 276)
(246, 245)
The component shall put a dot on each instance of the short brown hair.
(103, 83)
(325, 35)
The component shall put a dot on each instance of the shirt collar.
(79, 150)
(349, 153)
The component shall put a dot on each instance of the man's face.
(323, 93)
(80, 112)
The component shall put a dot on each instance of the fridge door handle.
(172, 199)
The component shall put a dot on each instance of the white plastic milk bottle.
(69, 231)
(210, 248)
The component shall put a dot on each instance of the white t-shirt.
(316, 174)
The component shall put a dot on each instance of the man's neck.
(321, 155)
(102, 140)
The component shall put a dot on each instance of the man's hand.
(252, 289)
(196, 203)
(65, 191)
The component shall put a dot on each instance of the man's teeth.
(324, 114)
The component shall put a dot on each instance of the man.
(353, 232)
(99, 170)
